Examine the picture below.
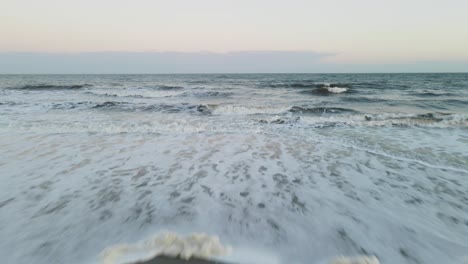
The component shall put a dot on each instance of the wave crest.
(328, 89)
(42, 87)
(197, 245)
(139, 93)
(241, 109)
(435, 120)
(169, 87)
(337, 90)
(320, 110)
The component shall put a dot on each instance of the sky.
(159, 36)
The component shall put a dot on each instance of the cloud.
(200, 62)
(161, 62)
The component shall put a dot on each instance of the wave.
(337, 90)
(197, 82)
(297, 85)
(215, 109)
(9, 103)
(153, 126)
(169, 87)
(74, 105)
(436, 120)
(109, 104)
(320, 110)
(456, 102)
(333, 85)
(199, 248)
(188, 125)
(136, 93)
(196, 245)
(171, 108)
(363, 99)
(431, 94)
(42, 87)
(279, 120)
(315, 116)
(328, 89)
(125, 106)
(240, 109)
(207, 109)
(158, 92)
(163, 108)
(308, 84)
(207, 94)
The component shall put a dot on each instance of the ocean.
(284, 168)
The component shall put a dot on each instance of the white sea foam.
(287, 182)
(197, 245)
(337, 90)
(203, 246)
(356, 260)
(125, 158)
(388, 119)
(246, 110)
(152, 123)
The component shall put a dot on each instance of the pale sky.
(349, 32)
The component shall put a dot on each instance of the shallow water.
(287, 168)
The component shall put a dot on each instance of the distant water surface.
(300, 167)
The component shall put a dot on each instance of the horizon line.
(238, 73)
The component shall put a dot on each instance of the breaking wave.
(169, 87)
(207, 94)
(316, 116)
(436, 120)
(328, 89)
(92, 105)
(208, 109)
(196, 245)
(337, 90)
(128, 107)
(240, 109)
(320, 110)
(109, 104)
(159, 92)
(308, 84)
(269, 110)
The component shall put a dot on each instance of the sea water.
(283, 168)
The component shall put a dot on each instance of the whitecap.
(246, 110)
(337, 90)
(196, 245)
